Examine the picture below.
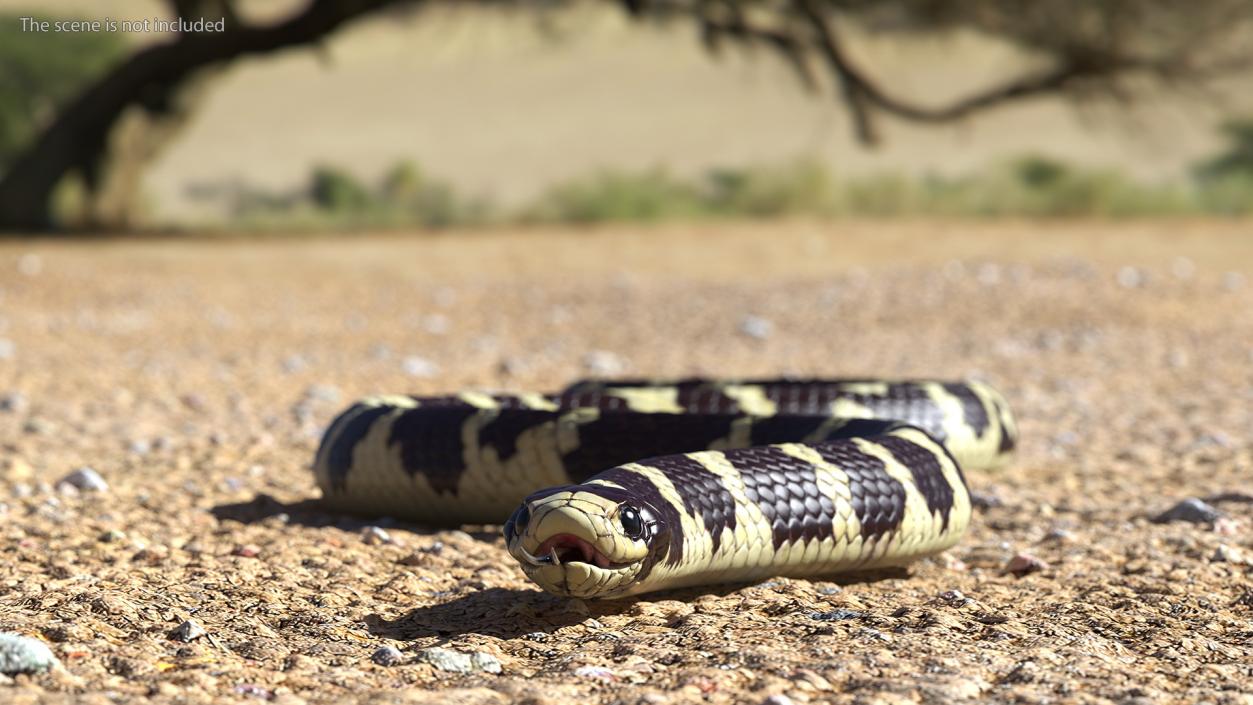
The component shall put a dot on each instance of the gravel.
(1112, 434)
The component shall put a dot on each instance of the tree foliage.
(1083, 49)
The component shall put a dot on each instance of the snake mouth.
(568, 548)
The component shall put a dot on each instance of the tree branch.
(77, 137)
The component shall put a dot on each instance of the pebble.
(84, 478)
(255, 691)
(778, 699)
(836, 615)
(1025, 564)
(603, 362)
(247, 550)
(595, 672)
(416, 366)
(21, 654)
(1231, 554)
(756, 327)
(323, 392)
(458, 661)
(373, 535)
(1130, 278)
(188, 631)
(14, 402)
(1191, 510)
(387, 656)
(293, 363)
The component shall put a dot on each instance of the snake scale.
(615, 488)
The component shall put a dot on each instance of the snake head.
(585, 541)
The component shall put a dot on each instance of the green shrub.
(336, 191)
(41, 71)
(801, 187)
(617, 196)
(1237, 159)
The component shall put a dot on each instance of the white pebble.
(603, 362)
(1130, 278)
(756, 327)
(375, 535)
(416, 366)
(1182, 268)
(84, 478)
(22, 654)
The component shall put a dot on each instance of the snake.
(613, 488)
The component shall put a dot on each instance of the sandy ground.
(195, 378)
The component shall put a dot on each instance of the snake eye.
(632, 524)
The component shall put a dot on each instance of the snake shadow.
(310, 513)
(509, 613)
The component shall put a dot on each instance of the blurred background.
(300, 116)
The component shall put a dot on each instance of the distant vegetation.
(1027, 186)
(39, 71)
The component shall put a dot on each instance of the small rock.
(1130, 278)
(836, 615)
(985, 500)
(1191, 510)
(85, 479)
(387, 656)
(247, 550)
(1231, 554)
(111, 536)
(141, 446)
(756, 327)
(777, 699)
(1224, 526)
(323, 392)
(14, 402)
(22, 654)
(1025, 564)
(595, 672)
(1182, 268)
(373, 535)
(38, 427)
(954, 597)
(459, 662)
(603, 362)
(188, 631)
(416, 366)
(293, 364)
(1059, 535)
(255, 691)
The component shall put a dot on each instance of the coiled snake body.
(618, 488)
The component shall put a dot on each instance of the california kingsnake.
(656, 485)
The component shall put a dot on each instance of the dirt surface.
(195, 378)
